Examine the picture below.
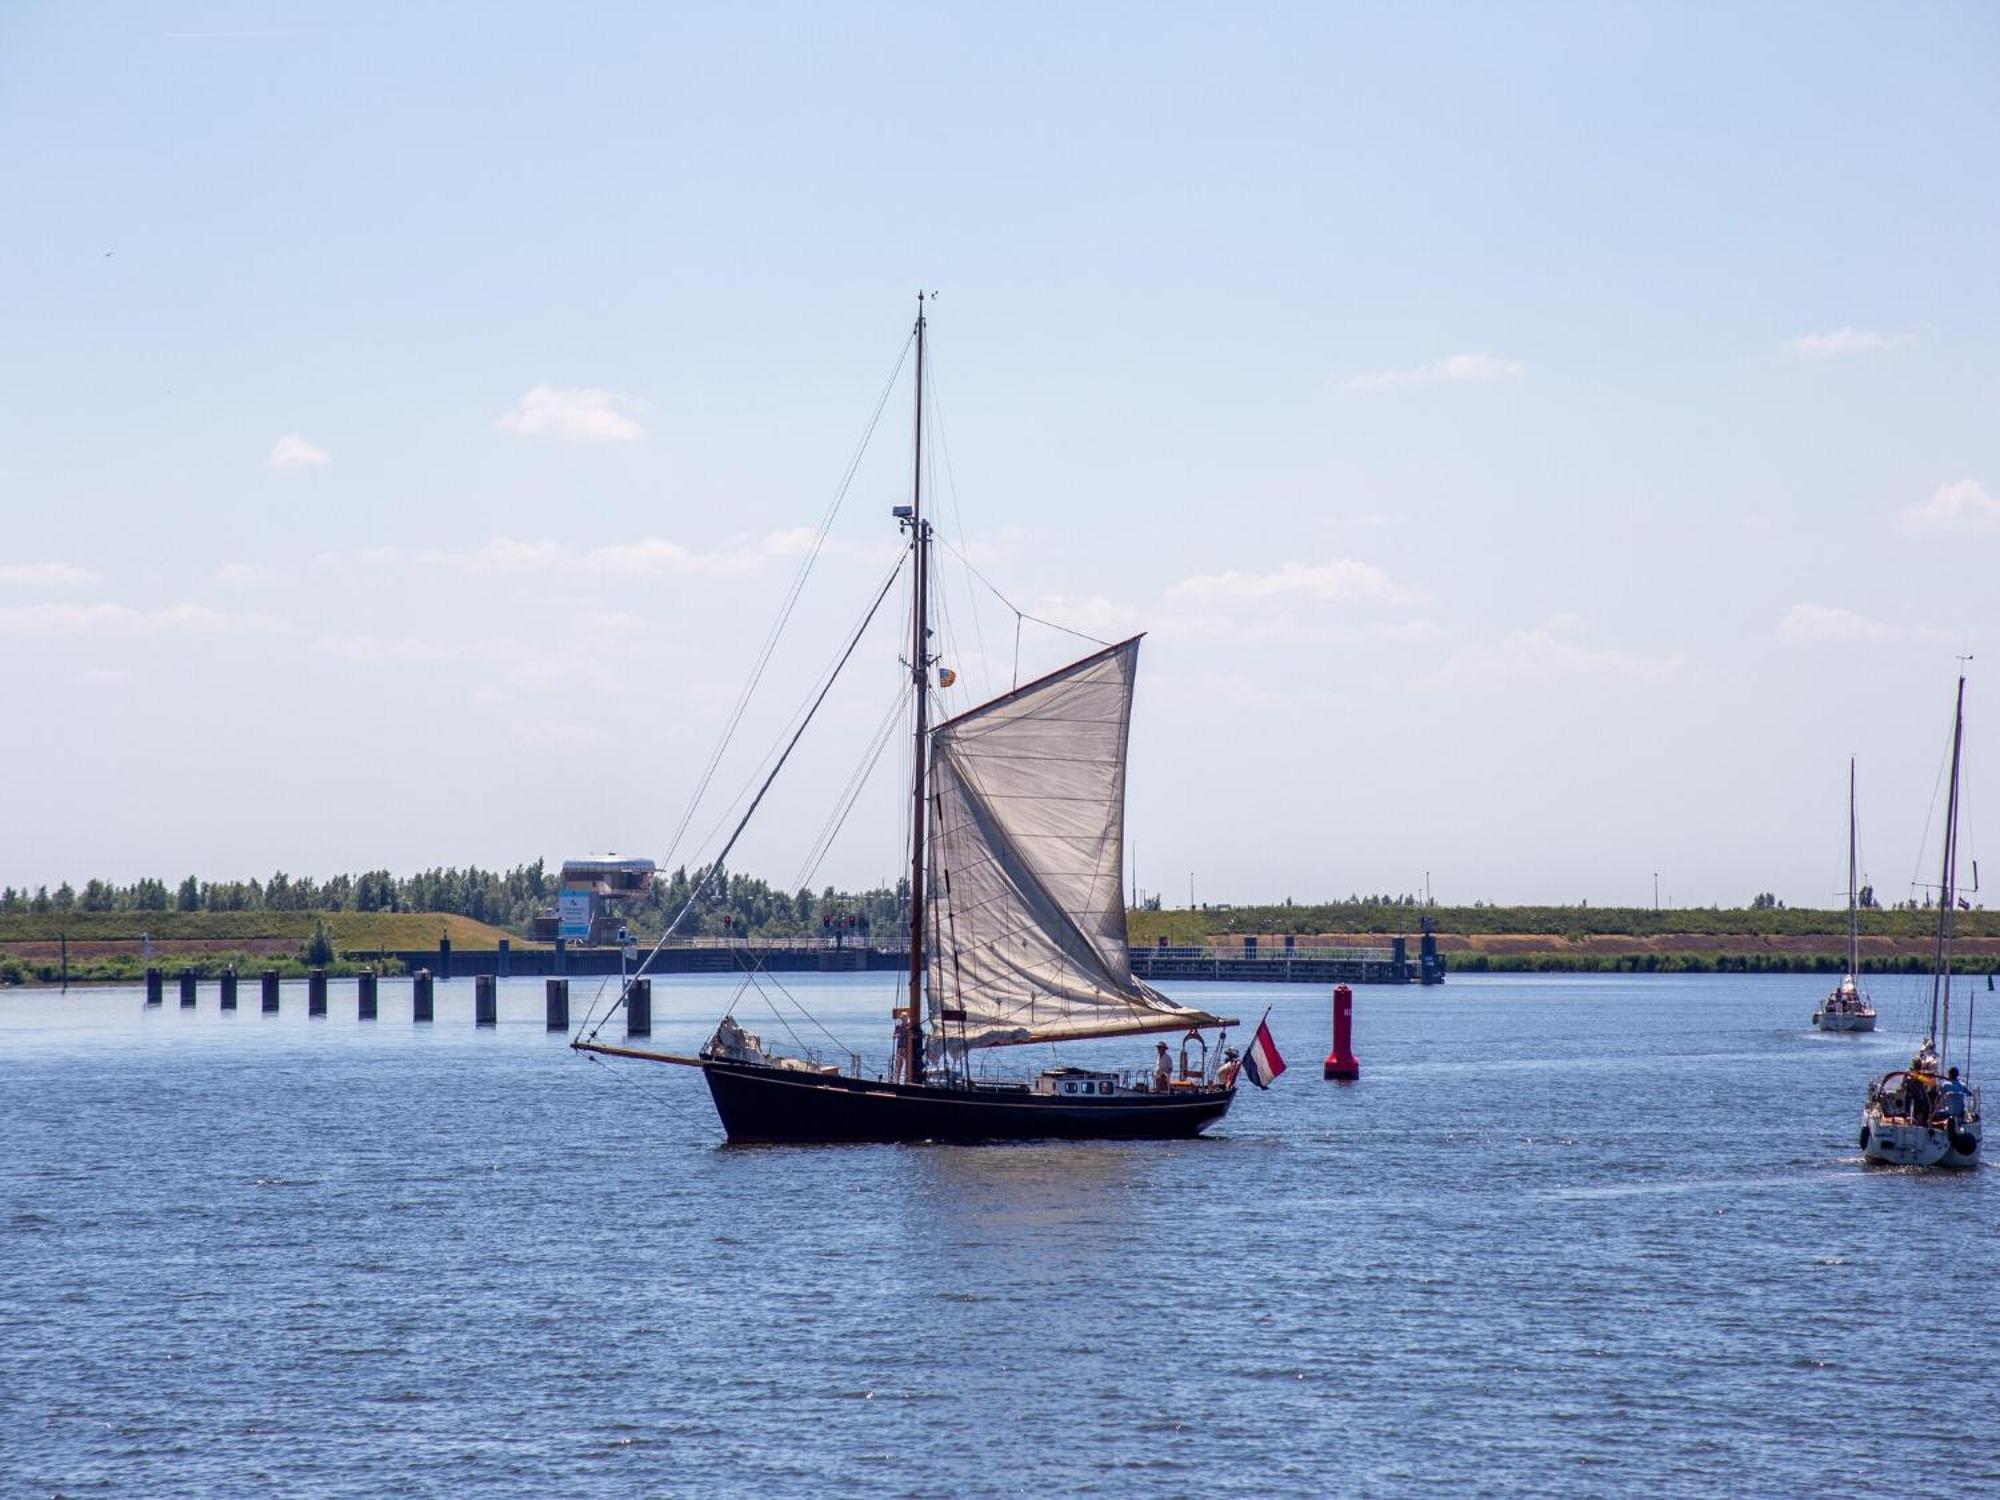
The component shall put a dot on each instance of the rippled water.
(1576, 1235)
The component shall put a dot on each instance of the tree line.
(731, 903)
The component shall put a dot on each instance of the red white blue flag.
(1261, 1061)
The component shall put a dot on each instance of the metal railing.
(1327, 953)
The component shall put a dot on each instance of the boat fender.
(1864, 1138)
(1962, 1141)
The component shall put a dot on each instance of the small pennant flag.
(946, 677)
(1262, 1062)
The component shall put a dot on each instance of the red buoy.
(1341, 1062)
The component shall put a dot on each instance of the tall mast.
(1853, 899)
(913, 1031)
(1947, 881)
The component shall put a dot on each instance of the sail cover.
(1027, 854)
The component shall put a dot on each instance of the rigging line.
(1929, 814)
(750, 980)
(804, 1010)
(1019, 613)
(805, 704)
(763, 659)
(837, 820)
(631, 1080)
(751, 811)
(943, 445)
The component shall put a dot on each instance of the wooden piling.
(366, 989)
(187, 987)
(269, 980)
(316, 993)
(420, 996)
(155, 987)
(639, 1008)
(229, 989)
(504, 962)
(485, 1000)
(559, 1005)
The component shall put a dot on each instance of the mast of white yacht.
(1853, 897)
(1940, 1029)
(913, 1015)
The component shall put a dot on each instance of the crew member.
(1225, 1075)
(1955, 1098)
(1163, 1068)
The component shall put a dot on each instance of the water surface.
(1567, 1235)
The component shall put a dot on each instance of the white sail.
(1027, 854)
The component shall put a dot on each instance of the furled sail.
(1027, 854)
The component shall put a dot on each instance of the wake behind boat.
(1016, 921)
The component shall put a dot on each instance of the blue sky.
(1543, 442)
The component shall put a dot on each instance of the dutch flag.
(1261, 1062)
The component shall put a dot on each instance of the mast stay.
(1940, 1028)
(920, 668)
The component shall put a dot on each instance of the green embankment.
(108, 946)
(1559, 939)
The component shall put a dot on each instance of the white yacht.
(1927, 1115)
(1847, 1008)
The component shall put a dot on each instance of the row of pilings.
(423, 1007)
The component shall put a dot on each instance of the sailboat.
(1847, 1008)
(1927, 1115)
(1016, 928)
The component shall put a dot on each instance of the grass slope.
(358, 930)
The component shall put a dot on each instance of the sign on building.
(573, 908)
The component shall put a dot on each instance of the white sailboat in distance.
(1847, 1008)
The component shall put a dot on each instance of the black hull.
(775, 1105)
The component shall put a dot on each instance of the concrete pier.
(639, 1008)
(420, 996)
(187, 987)
(269, 983)
(366, 985)
(559, 1005)
(485, 1000)
(503, 961)
(155, 987)
(229, 989)
(316, 993)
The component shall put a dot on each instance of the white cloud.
(1455, 367)
(1962, 506)
(1848, 340)
(374, 649)
(1553, 651)
(1809, 623)
(1829, 624)
(245, 575)
(651, 556)
(46, 575)
(293, 452)
(102, 677)
(1342, 581)
(110, 619)
(584, 415)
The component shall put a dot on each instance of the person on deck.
(1918, 1093)
(1954, 1097)
(1225, 1075)
(1163, 1068)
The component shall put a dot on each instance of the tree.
(319, 950)
(1866, 900)
(1764, 901)
(188, 898)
